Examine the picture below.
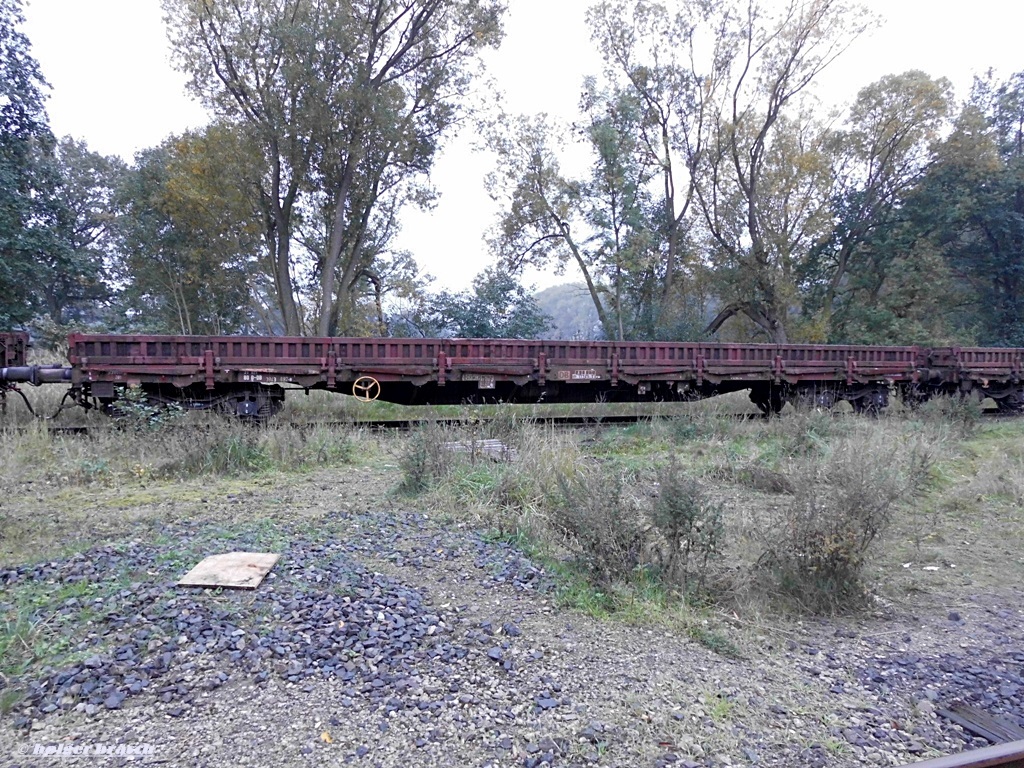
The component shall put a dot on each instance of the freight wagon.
(249, 376)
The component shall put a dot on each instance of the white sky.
(113, 86)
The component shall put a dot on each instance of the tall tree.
(543, 218)
(971, 207)
(347, 101)
(766, 173)
(188, 241)
(654, 54)
(28, 177)
(607, 222)
(881, 156)
(73, 278)
(706, 161)
(617, 207)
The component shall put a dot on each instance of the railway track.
(1009, 755)
(400, 425)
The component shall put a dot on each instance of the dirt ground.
(523, 681)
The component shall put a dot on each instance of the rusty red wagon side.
(248, 375)
(13, 349)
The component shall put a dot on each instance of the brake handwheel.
(366, 388)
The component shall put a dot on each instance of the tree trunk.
(764, 318)
(595, 294)
(329, 278)
(283, 287)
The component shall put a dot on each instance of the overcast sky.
(113, 86)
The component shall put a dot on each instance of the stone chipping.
(397, 639)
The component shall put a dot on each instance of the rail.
(1009, 755)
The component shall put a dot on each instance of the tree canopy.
(28, 177)
(343, 105)
(716, 195)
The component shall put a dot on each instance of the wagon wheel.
(366, 388)
(1012, 403)
(867, 405)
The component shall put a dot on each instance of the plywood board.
(997, 730)
(235, 570)
(489, 449)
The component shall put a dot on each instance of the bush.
(288, 448)
(816, 553)
(804, 432)
(599, 524)
(221, 449)
(963, 414)
(133, 410)
(700, 425)
(223, 446)
(427, 459)
(691, 526)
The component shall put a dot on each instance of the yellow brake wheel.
(366, 388)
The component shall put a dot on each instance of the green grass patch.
(41, 623)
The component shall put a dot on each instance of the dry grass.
(110, 455)
(861, 490)
(758, 472)
(54, 486)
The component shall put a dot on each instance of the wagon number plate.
(265, 378)
(483, 381)
(579, 374)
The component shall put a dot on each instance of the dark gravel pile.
(507, 565)
(414, 541)
(320, 614)
(910, 688)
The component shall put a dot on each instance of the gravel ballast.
(390, 638)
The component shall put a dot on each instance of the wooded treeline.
(720, 197)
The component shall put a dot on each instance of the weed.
(93, 469)
(232, 451)
(962, 413)
(691, 527)
(705, 424)
(836, 747)
(33, 633)
(764, 479)
(9, 699)
(599, 523)
(805, 432)
(817, 551)
(134, 411)
(714, 641)
(720, 708)
(426, 460)
(575, 590)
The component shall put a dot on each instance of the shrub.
(426, 460)
(961, 413)
(804, 432)
(817, 551)
(599, 524)
(288, 448)
(221, 449)
(135, 411)
(704, 424)
(690, 524)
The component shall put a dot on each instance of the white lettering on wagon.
(579, 374)
(483, 381)
(263, 378)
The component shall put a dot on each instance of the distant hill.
(571, 311)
